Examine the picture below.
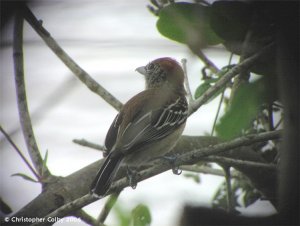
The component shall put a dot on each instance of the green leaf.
(201, 89)
(25, 177)
(243, 110)
(141, 215)
(187, 23)
(194, 176)
(204, 87)
(211, 80)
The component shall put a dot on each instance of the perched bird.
(148, 125)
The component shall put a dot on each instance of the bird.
(148, 125)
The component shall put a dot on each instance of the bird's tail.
(106, 174)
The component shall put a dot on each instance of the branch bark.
(60, 196)
(24, 115)
(89, 144)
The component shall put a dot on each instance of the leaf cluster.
(242, 28)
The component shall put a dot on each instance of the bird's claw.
(132, 176)
(176, 170)
(171, 159)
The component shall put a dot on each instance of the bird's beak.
(141, 70)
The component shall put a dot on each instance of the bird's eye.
(150, 66)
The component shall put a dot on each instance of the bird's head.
(163, 73)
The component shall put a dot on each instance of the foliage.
(141, 215)
(209, 81)
(230, 23)
(242, 111)
(138, 216)
(243, 29)
(244, 194)
(187, 23)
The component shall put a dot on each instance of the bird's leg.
(132, 176)
(171, 159)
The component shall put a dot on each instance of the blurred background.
(108, 39)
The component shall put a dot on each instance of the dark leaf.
(233, 21)
(187, 23)
(230, 19)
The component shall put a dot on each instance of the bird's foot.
(171, 159)
(132, 176)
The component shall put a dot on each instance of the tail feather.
(106, 174)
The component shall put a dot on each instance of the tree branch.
(89, 144)
(24, 116)
(67, 208)
(208, 170)
(85, 217)
(189, 150)
(186, 81)
(238, 162)
(207, 62)
(247, 63)
(196, 155)
(70, 63)
(107, 208)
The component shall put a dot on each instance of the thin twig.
(160, 166)
(197, 155)
(207, 62)
(238, 162)
(81, 74)
(244, 75)
(278, 123)
(227, 172)
(247, 63)
(208, 170)
(186, 81)
(220, 102)
(89, 144)
(24, 116)
(218, 113)
(69, 207)
(81, 214)
(107, 208)
(20, 153)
